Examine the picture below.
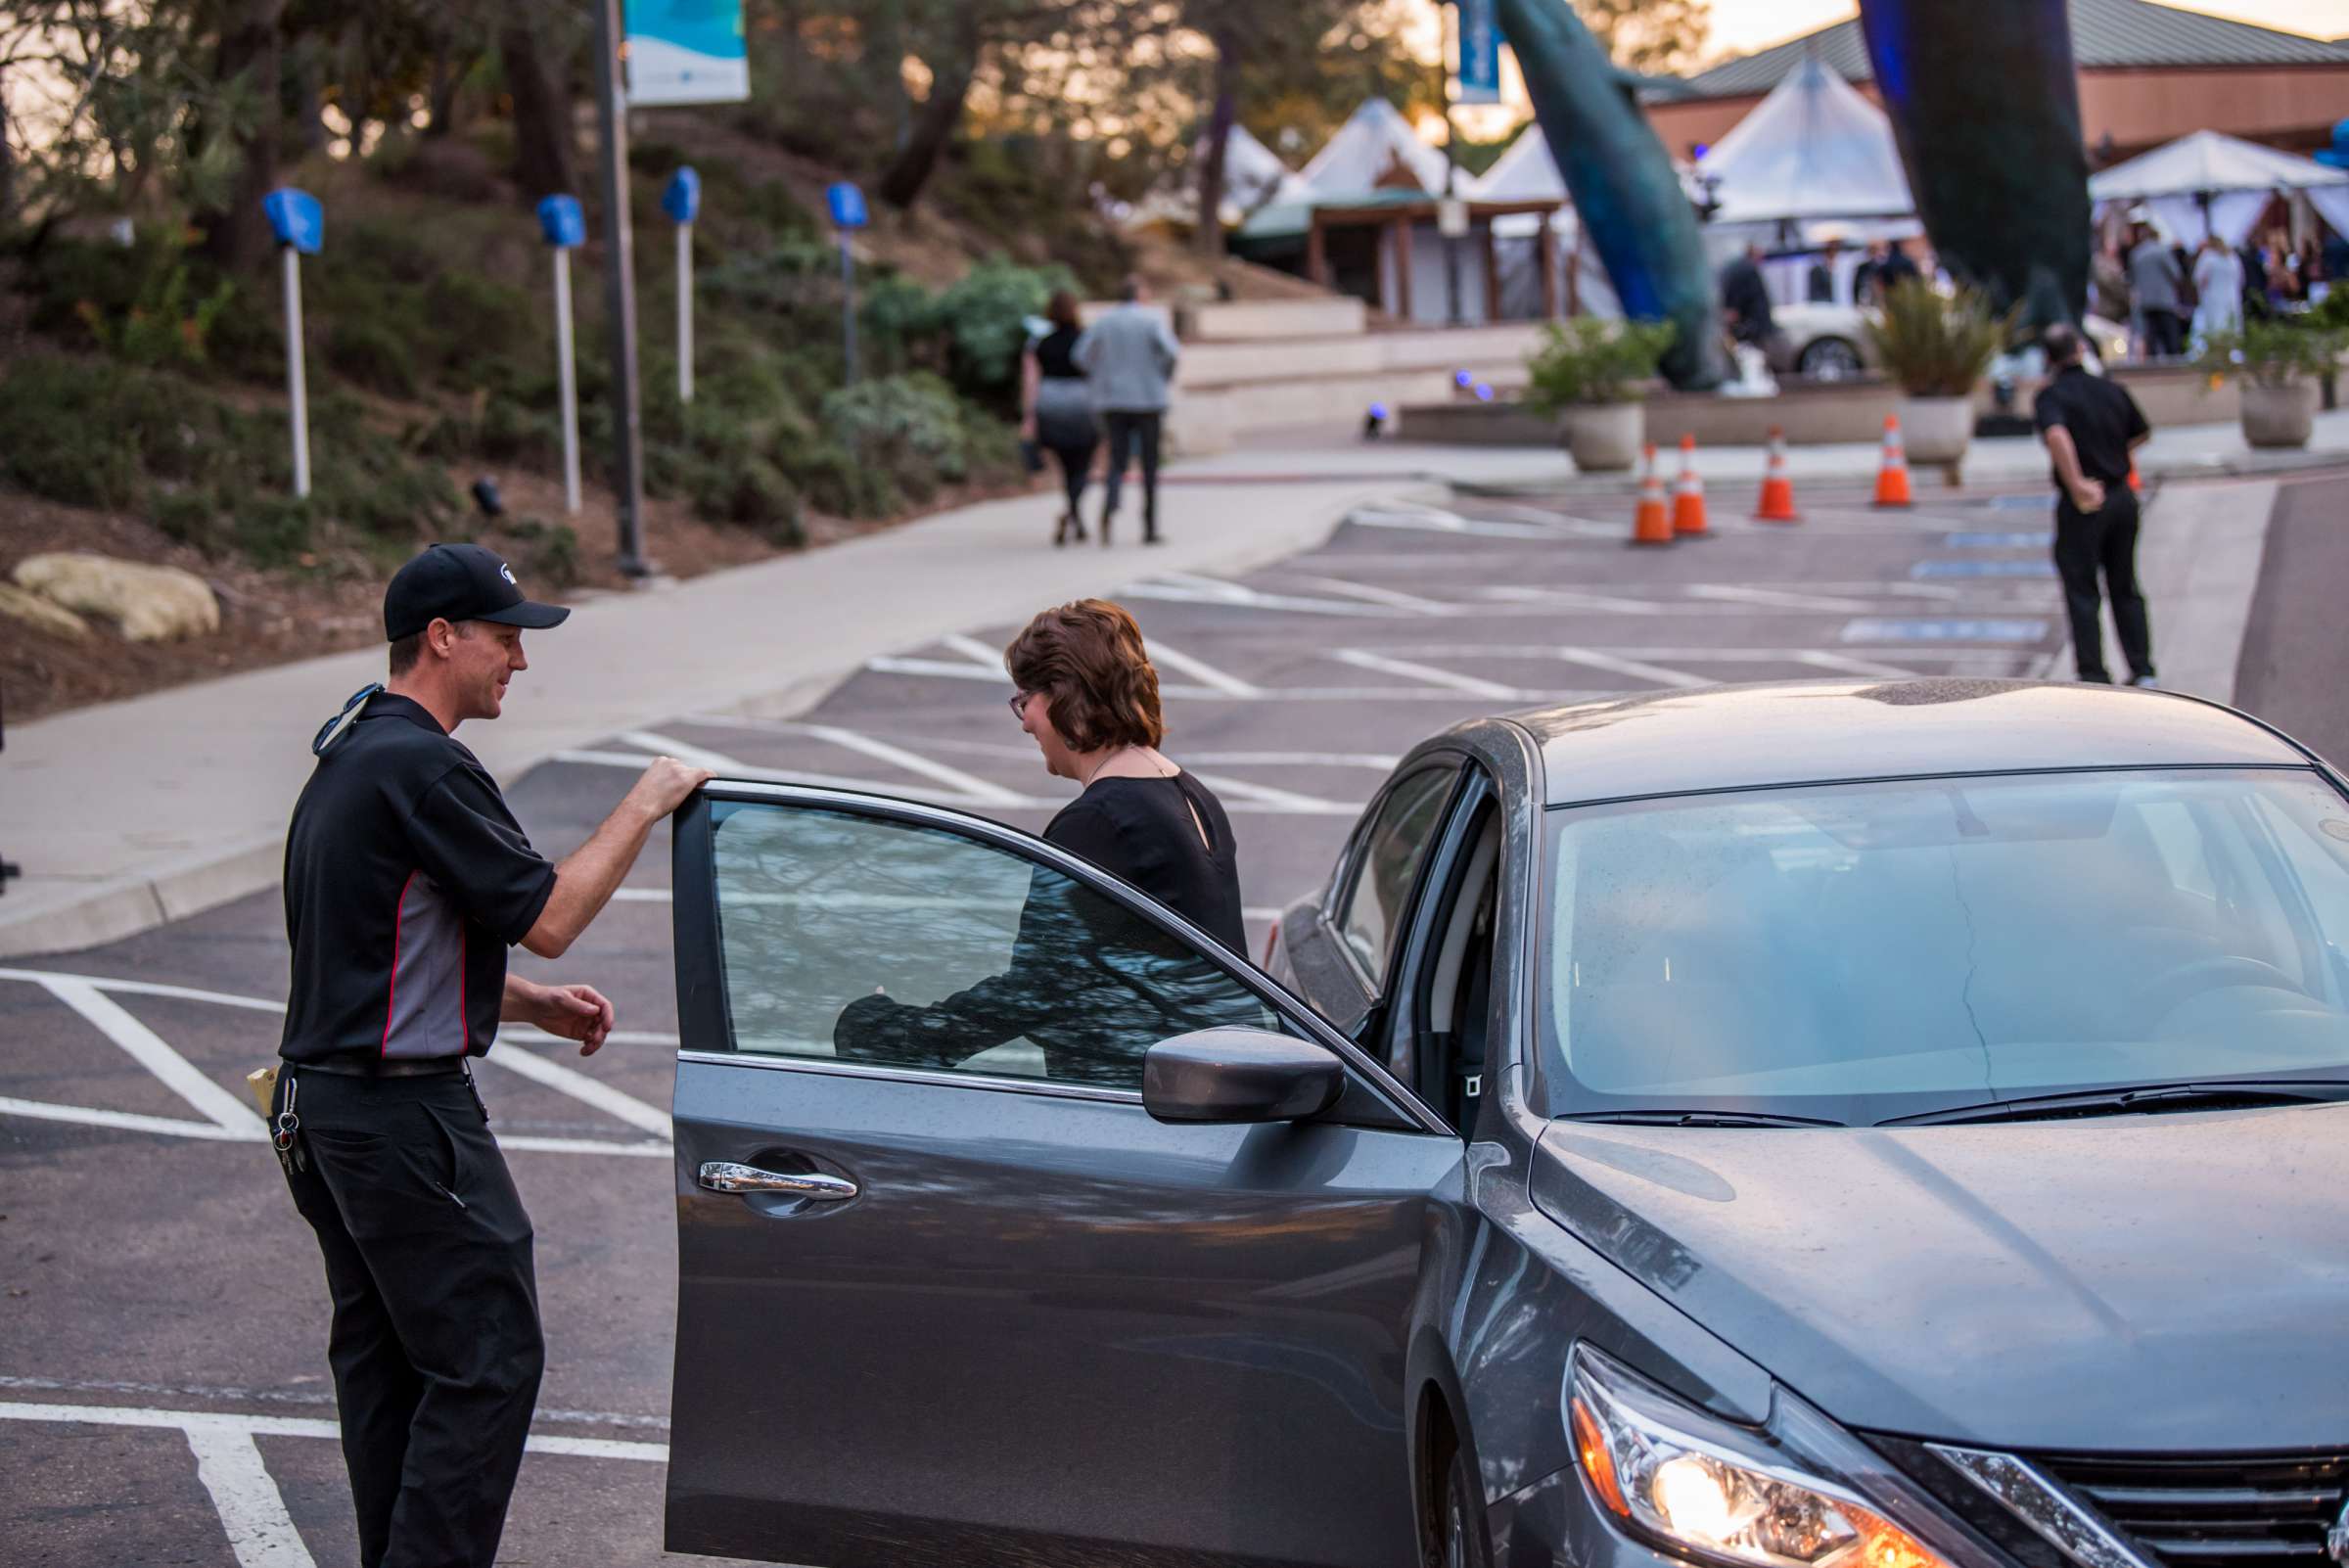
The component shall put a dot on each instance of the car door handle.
(722, 1176)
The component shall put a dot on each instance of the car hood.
(2172, 1282)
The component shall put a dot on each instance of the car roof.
(1744, 737)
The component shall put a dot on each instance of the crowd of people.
(2176, 297)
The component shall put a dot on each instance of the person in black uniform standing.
(407, 879)
(2091, 425)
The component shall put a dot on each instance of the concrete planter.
(2279, 416)
(1604, 438)
(1937, 429)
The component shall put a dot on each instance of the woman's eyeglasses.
(1019, 705)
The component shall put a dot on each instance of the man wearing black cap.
(406, 880)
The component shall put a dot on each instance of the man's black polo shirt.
(406, 881)
(2101, 416)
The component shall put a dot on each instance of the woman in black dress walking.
(1057, 412)
(1087, 695)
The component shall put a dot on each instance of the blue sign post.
(847, 203)
(299, 224)
(682, 201)
(1480, 54)
(564, 227)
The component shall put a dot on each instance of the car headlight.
(1704, 1488)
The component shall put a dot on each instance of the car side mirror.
(1239, 1075)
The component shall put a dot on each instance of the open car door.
(947, 1292)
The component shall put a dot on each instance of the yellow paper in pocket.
(263, 1081)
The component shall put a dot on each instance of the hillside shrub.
(372, 354)
(907, 430)
(984, 317)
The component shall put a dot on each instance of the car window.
(898, 944)
(1394, 847)
(1856, 953)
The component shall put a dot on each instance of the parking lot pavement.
(162, 1371)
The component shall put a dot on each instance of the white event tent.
(1253, 173)
(2209, 183)
(1375, 150)
(1528, 172)
(1813, 153)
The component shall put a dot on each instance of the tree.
(1315, 60)
(1648, 36)
(246, 65)
(537, 73)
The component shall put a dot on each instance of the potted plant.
(1936, 346)
(2279, 365)
(1591, 374)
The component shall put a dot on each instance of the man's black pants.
(435, 1346)
(1126, 429)
(2104, 543)
(2165, 333)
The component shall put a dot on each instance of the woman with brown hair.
(1088, 696)
(1056, 408)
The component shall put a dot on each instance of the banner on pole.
(685, 52)
(1480, 54)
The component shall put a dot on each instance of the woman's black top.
(1056, 354)
(1070, 985)
(1140, 829)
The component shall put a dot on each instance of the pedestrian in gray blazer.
(1129, 358)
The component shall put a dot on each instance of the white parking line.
(1636, 669)
(659, 745)
(827, 781)
(579, 1086)
(1411, 669)
(1394, 598)
(1207, 675)
(1776, 598)
(213, 1103)
(978, 653)
(973, 787)
(233, 1119)
(260, 1530)
(1183, 587)
(229, 1465)
(1263, 797)
(1844, 665)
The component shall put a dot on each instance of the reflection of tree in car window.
(909, 947)
(1088, 982)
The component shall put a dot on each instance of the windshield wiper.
(1700, 1118)
(2143, 1099)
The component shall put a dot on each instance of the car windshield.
(1864, 951)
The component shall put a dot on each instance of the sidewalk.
(130, 814)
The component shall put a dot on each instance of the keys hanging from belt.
(286, 1127)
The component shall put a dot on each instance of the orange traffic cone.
(1892, 480)
(1777, 487)
(1688, 493)
(1652, 523)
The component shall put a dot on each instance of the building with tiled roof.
(2149, 73)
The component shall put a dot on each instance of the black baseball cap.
(460, 582)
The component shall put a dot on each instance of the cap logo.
(506, 572)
